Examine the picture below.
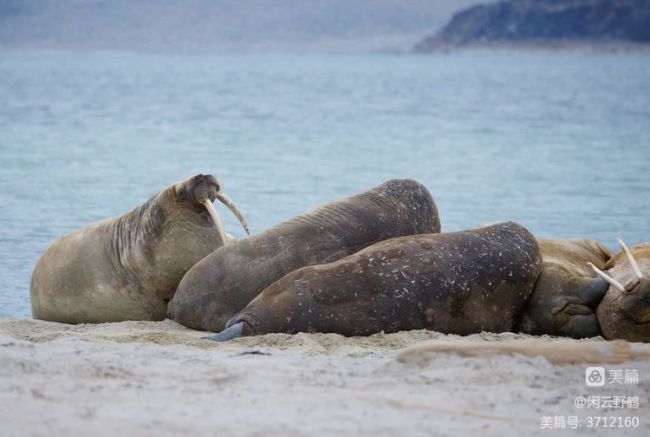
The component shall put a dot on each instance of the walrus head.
(201, 190)
(624, 312)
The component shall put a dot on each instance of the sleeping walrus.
(624, 312)
(456, 283)
(568, 291)
(128, 267)
(221, 284)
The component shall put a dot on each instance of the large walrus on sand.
(568, 290)
(457, 283)
(128, 267)
(624, 312)
(223, 283)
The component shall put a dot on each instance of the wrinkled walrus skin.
(568, 290)
(625, 314)
(128, 267)
(223, 283)
(456, 283)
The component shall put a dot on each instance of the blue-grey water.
(559, 142)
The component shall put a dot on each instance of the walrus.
(128, 267)
(624, 312)
(456, 283)
(567, 291)
(221, 284)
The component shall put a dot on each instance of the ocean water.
(559, 142)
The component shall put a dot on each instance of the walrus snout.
(204, 187)
(636, 302)
(624, 313)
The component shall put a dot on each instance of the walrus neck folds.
(128, 232)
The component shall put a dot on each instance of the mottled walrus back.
(223, 283)
(457, 283)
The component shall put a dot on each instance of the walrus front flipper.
(578, 317)
(581, 326)
(581, 321)
(564, 307)
(594, 292)
(230, 333)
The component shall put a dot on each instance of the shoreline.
(551, 46)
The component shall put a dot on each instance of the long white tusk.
(215, 218)
(607, 278)
(630, 258)
(231, 206)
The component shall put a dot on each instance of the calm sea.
(559, 142)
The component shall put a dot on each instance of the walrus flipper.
(233, 331)
(581, 326)
(580, 316)
(594, 292)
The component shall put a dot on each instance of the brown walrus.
(223, 283)
(624, 312)
(128, 267)
(568, 291)
(457, 283)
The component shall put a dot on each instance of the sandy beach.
(159, 378)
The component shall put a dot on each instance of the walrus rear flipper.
(230, 333)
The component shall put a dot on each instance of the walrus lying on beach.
(223, 283)
(456, 283)
(128, 267)
(567, 291)
(624, 312)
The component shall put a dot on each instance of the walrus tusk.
(215, 218)
(607, 278)
(231, 206)
(630, 258)
(233, 331)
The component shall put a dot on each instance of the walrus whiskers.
(215, 218)
(630, 258)
(606, 277)
(232, 207)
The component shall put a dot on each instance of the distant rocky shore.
(598, 24)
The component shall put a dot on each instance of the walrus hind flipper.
(234, 331)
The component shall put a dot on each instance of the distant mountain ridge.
(522, 22)
(222, 25)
